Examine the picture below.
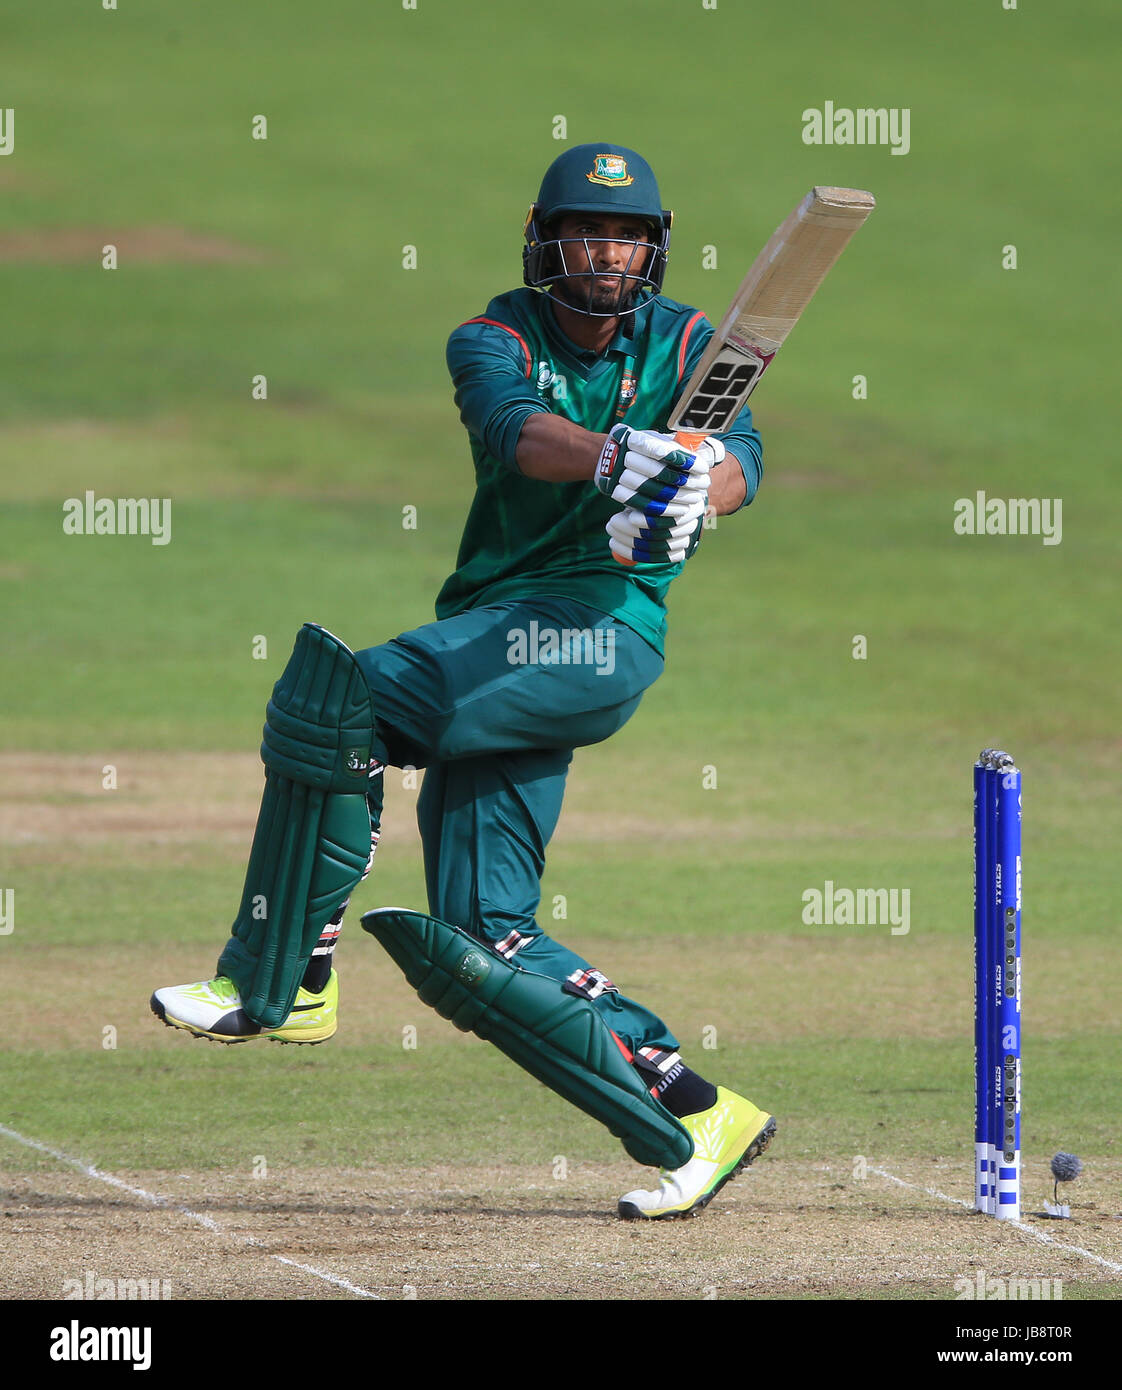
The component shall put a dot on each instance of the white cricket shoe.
(726, 1139)
(213, 1009)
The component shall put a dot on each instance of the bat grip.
(688, 439)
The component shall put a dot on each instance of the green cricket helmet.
(597, 179)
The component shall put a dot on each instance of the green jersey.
(525, 536)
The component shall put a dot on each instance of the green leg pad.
(312, 841)
(558, 1037)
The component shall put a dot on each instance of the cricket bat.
(766, 307)
(772, 296)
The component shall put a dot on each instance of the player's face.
(604, 245)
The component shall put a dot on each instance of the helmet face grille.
(565, 268)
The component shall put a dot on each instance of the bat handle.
(688, 439)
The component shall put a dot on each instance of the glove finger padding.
(647, 452)
(633, 537)
(657, 449)
(709, 453)
(633, 490)
(637, 551)
(631, 524)
(655, 473)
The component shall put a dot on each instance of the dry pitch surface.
(783, 1230)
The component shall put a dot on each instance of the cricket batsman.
(548, 632)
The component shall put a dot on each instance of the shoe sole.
(630, 1212)
(170, 1021)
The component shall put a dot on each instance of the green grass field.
(390, 128)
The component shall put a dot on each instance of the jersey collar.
(622, 345)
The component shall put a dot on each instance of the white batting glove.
(647, 470)
(634, 537)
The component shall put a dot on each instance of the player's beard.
(588, 294)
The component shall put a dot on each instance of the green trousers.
(492, 703)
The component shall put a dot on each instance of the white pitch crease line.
(1021, 1226)
(155, 1200)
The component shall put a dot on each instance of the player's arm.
(555, 450)
(558, 451)
(491, 369)
(728, 490)
(490, 365)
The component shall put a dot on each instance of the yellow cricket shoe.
(213, 1009)
(726, 1139)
